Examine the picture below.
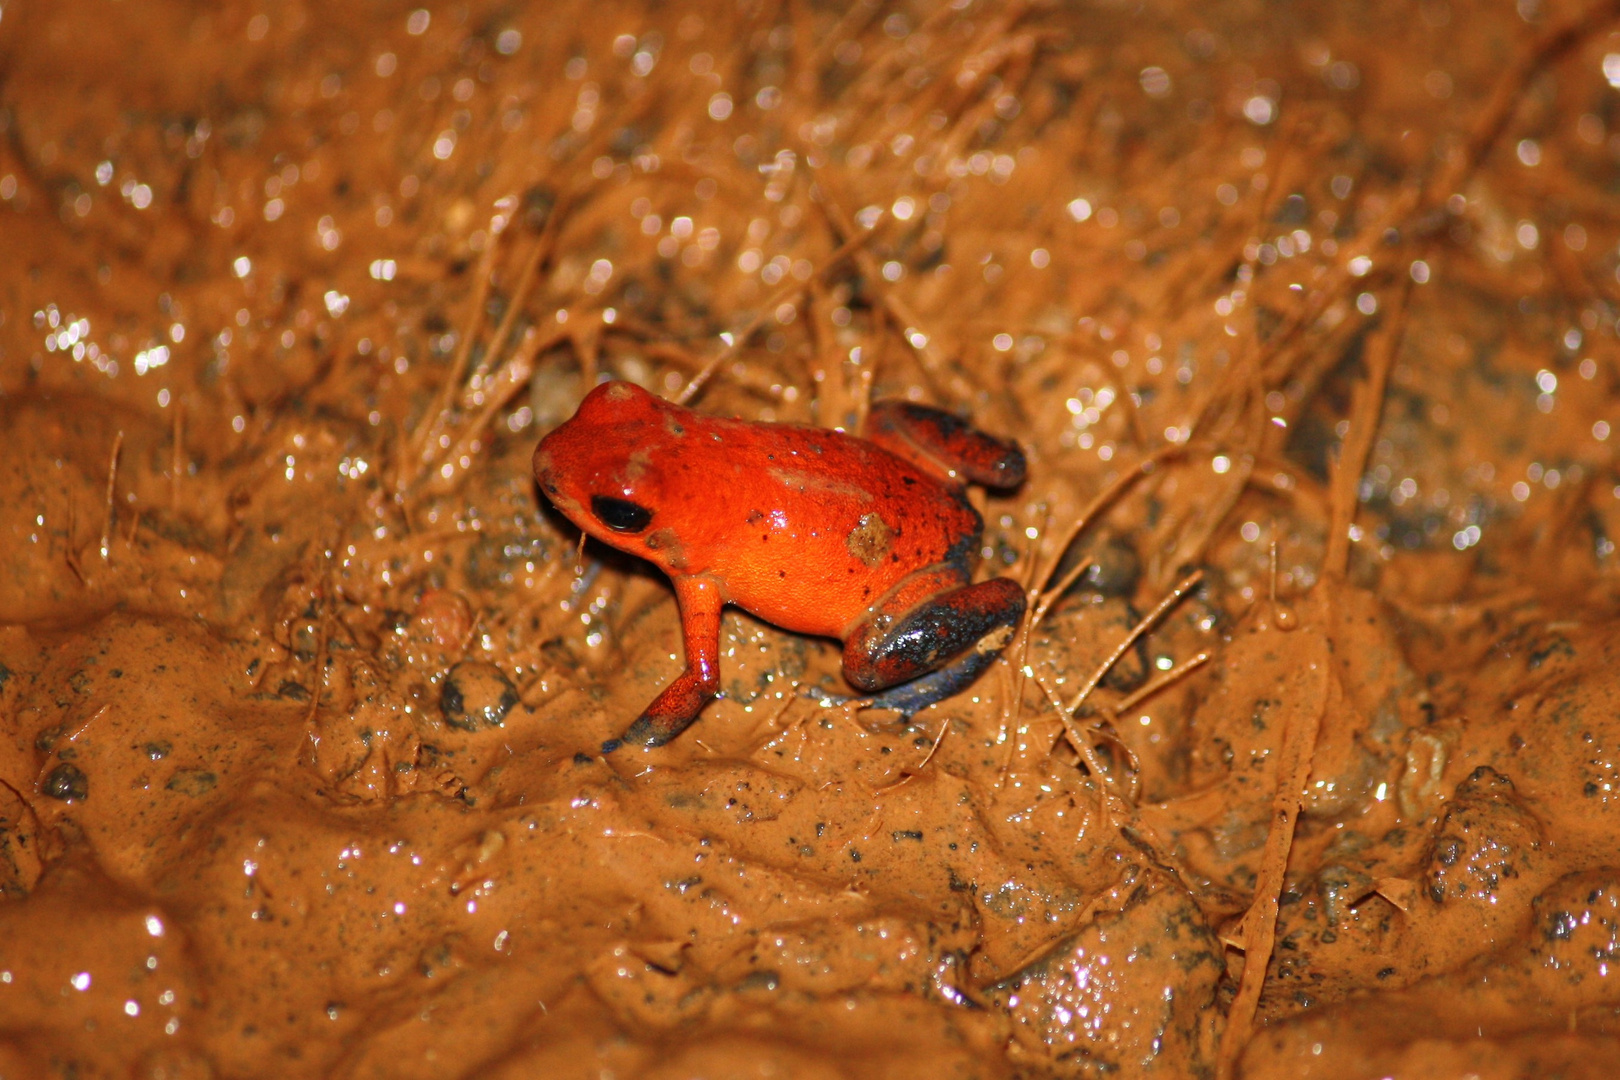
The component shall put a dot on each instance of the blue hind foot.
(913, 697)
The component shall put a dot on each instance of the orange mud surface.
(302, 689)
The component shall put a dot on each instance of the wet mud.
(1305, 761)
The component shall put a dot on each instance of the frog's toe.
(913, 697)
(825, 698)
(910, 698)
(830, 699)
(643, 733)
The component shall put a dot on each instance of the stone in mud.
(1488, 842)
(476, 695)
(68, 783)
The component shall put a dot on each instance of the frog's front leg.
(673, 710)
(924, 650)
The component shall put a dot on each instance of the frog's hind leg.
(950, 680)
(935, 648)
(941, 443)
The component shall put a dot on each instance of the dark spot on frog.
(869, 541)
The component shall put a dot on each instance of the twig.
(1042, 598)
(1244, 472)
(1014, 704)
(1052, 595)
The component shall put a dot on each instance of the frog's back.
(808, 527)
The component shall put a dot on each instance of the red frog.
(871, 541)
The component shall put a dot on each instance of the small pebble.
(68, 783)
(476, 695)
(444, 616)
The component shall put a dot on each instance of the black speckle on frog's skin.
(68, 783)
(476, 695)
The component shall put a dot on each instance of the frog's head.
(613, 468)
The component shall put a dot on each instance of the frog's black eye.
(620, 515)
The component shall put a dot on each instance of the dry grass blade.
(1082, 745)
(1042, 598)
(512, 377)
(767, 310)
(1105, 499)
(1367, 404)
(1040, 605)
(944, 727)
(1259, 926)
(177, 457)
(112, 484)
(431, 423)
(1143, 625)
(1169, 678)
(538, 251)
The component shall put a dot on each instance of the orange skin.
(865, 540)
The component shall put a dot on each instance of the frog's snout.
(542, 469)
(545, 475)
